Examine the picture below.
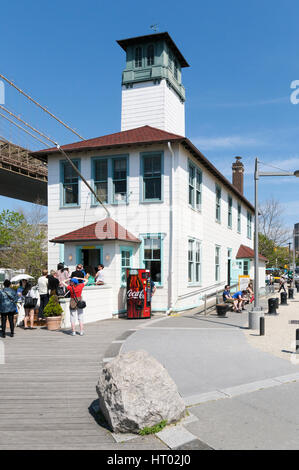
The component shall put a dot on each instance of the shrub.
(53, 307)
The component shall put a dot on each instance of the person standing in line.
(62, 275)
(99, 279)
(31, 296)
(43, 288)
(53, 282)
(8, 300)
(79, 273)
(75, 289)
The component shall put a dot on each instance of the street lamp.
(256, 312)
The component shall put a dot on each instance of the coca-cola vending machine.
(138, 293)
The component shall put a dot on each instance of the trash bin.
(222, 309)
(272, 306)
(283, 298)
(291, 292)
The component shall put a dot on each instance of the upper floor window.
(230, 212)
(150, 55)
(239, 219)
(249, 225)
(170, 60)
(175, 71)
(119, 179)
(101, 179)
(195, 180)
(152, 177)
(138, 57)
(110, 179)
(70, 184)
(218, 203)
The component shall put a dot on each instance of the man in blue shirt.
(240, 297)
(8, 300)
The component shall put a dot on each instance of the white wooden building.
(170, 209)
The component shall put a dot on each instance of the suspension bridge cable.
(39, 105)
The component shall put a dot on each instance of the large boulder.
(136, 391)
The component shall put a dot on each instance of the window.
(245, 267)
(249, 225)
(239, 218)
(126, 256)
(110, 179)
(152, 172)
(152, 256)
(175, 73)
(138, 57)
(218, 203)
(170, 60)
(70, 184)
(230, 212)
(194, 261)
(101, 179)
(119, 179)
(150, 55)
(217, 263)
(195, 180)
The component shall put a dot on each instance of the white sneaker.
(81, 333)
(73, 333)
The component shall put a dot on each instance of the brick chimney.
(238, 174)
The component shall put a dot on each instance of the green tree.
(10, 221)
(24, 244)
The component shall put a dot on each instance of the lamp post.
(255, 314)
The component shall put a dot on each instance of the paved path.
(48, 384)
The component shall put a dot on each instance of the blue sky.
(243, 57)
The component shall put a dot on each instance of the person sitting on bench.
(227, 298)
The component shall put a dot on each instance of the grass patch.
(154, 429)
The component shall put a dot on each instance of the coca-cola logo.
(135, 294)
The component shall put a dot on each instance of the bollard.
(297, 287)
(283, 298)
(276, 302)
(262, 326)
(297, 341)
(291, 292)
(272, 306)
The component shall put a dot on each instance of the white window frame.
(194, 261)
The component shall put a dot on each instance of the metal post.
(255, 314)
(297, 341)
(294, 261)
(262, 326)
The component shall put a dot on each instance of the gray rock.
(136, 391)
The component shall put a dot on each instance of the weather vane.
(154, 27)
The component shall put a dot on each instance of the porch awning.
(247, 252)
(106, 229)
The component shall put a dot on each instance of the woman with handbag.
(31, 297)
(76, 303)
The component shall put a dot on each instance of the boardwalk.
(47, 385)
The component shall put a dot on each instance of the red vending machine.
(138, 293)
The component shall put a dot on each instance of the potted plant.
(53, 312)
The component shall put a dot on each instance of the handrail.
(204, 289)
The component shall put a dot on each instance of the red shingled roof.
(139, 135)
(247, 252)
(106, 229)
(142, 135)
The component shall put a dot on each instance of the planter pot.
(222, 309)
(53, 323)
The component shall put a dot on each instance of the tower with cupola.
(152, 89)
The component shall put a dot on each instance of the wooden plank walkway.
(47, 385)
